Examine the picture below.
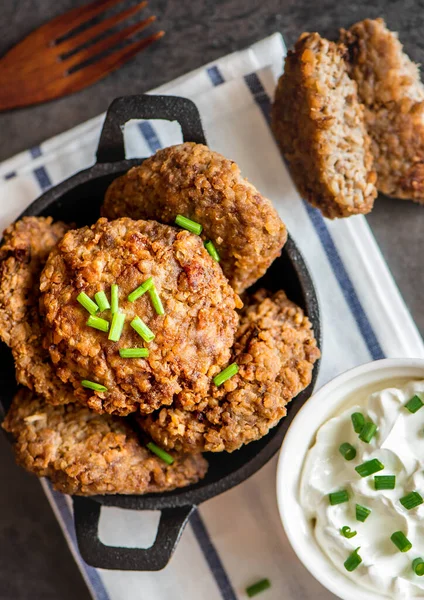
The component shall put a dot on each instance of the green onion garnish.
(102, 301)
(161, 453)
(156, 301)
(338, 497)
(212, 251)
(362, 513)
(116, 327)
(353, 561)
(411, 500)
(87, 303)
(358, 421)
(414, 404)
(142, 289)
(91, 385)
(418, 566)
(368, 432)
(226, 374)
(98, 323)
(188, 224)
(114, 298)
(369, 468)
(401, 541)
(347, 451)
(142, 329)
(347, 532)
(258, 587)
(385, 482)
(133, 353)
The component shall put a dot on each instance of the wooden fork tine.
(65, 23)
(97, 70)
(107, 44)
(92, 32)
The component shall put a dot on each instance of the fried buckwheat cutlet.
(26, 246)
(275, 350)
(192, 339)
(319, 125)
(389, 86)
(84, 453)
(192, 180)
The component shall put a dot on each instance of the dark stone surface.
(34, 560)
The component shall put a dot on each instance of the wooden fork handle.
(170, 108)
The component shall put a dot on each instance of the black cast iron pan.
(78, 200)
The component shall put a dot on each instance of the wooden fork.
(48, 65)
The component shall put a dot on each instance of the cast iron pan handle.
(122, 110)
(95, 553)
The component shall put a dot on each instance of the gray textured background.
(34, 560)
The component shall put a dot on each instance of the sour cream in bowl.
(351, 475)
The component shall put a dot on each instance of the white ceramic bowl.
(327, 402)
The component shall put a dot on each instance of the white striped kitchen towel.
(236, 538)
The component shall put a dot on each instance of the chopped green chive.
(347, 532)
(87, 303)
(338, 497)
(258, 587)
(133, 353)
(91, 385)
(368, 432)
(362, 513)
(401, 541)
(418, 566)
(226, 374)
(142, 329)
(347, 451)
(102, 301)
(385, 482)
(353, 561)
(161, 453)
(358, 421)
(98, 323)
(414, 404)
(116, 327)
(369, 468)
(142, 289)
(114, 298)
(188, 224)
(156, 301)
(212, 250)
(411, 500)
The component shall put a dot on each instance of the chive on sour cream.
(384, 508)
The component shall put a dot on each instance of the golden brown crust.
(84, 453)
(319, 125)
(191, 180)
(389, 86)
(193, 338)
(25, 248)
(275, 350)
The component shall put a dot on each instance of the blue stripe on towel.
(345, 283)
(10, 175)
(35, 152)
(209, 551)
(150, 136)
(215, 75)
(68, 520)
(43, 178)
(261, 97)
(212, 556)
